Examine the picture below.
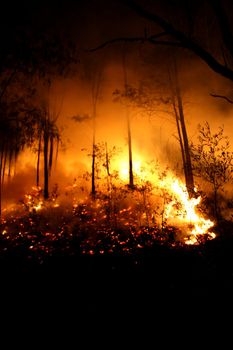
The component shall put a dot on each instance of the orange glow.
(181, 210)
(160, 198)
(123, 167)
(187, 214)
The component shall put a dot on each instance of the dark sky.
(88, 22)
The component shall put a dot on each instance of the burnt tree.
(177, 105)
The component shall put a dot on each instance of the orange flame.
(187, 214)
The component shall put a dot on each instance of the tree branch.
(223, 97)
(116, 40)
(223, 24)
(185, 41)
(127, 39)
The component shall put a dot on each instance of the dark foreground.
(160, 284)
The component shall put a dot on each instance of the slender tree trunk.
(38, 163)
(50, 154)
(188, 163)
(131, 179)
(109, 185)
(10, 164)
(93, 189)
(95, 95)
(4, 167)
(0, 189)
(180, 139)
(181, 128)
(107, 159)
(57, 149)
(107, 166)
(1, 175)
(46, 168)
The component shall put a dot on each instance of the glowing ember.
(158, 209)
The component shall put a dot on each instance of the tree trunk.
(188, 164)
(1, 177)
(46, 168)
(50, 154)
(131, 179)
(95, 95)
(180, 139)
(10, 164)
(38, 163)
(4, 168)
(0, 190)
(107, 166)
(181, 128)
(93, 190)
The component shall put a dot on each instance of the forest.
(116, 157)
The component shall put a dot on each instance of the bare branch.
(116, 40)
(223, 97)
(184, 40)
(127, 39)
(223, 24)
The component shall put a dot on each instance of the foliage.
(103, 159)
(142, 98)
(18, 118)
(27, 58)
(212, 158)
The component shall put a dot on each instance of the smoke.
(153, 137)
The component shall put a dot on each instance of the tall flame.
(187, 214)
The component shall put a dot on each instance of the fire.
(180, 210)
(158, 208)
(123, 166)
(34, 200)
(183, 210)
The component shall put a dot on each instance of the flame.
(123, 166)
(33, 200)
(183, 210)
(158, 195)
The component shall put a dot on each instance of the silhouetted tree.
(18, 117)
(166, 98)
(202, 27)
(213, 160)
(48, 137)
(95, 95)
(27, 58)
(177, 105)
(183, 30)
